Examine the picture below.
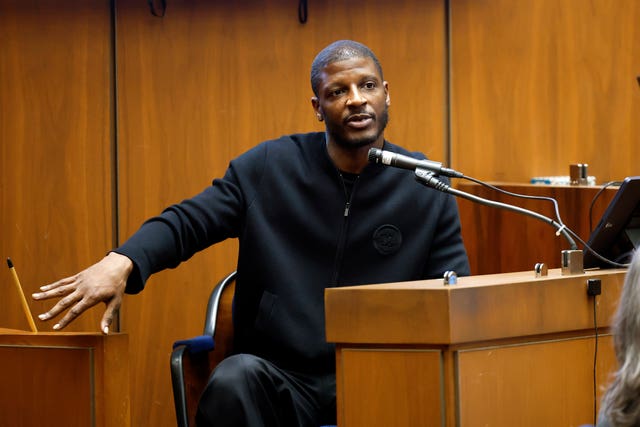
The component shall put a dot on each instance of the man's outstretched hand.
(102, 282)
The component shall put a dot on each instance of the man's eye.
(337, 92)
(370, 85)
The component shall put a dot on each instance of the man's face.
(353, 101)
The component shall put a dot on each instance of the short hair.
(339, 51)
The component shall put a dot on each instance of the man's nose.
(355, 97)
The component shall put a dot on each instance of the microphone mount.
(570, 257)
(427, 171)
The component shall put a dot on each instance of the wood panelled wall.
(56, 142)
(539, 85)
(108, 114)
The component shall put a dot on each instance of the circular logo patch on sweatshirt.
(387, 239)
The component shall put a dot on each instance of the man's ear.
(316, 107)
(386, 91)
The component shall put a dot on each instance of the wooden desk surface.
(477, 308)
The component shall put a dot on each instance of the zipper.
(345, 227)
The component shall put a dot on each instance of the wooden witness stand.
(496, 350)
(58, 378)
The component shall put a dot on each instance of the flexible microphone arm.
(429, 179)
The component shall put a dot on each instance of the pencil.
(25, 306)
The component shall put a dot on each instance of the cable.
(154, 12)
(595, 365)
(597, 255)
(427, 172)
(303, 11)
(522, 196)
(430, 179)
(563, 227)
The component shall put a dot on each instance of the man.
(310, 212)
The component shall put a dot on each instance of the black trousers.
(248, 391)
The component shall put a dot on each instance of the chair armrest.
(190, 369)
(179, 389)
(196, 344)
(193, 360)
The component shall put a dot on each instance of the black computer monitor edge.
(618, 231)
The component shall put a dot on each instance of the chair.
(193, 360)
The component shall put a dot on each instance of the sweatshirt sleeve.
(183, 229)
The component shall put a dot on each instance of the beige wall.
(109, 114)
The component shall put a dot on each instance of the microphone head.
(374, 155)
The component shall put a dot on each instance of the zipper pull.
(346, 209)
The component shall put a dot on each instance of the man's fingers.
(62, 305)
(109, 313)
(52, 291)
(59, 283)
(76, 310)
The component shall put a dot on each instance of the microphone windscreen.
(374, 154)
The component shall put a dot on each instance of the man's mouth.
(359, 121)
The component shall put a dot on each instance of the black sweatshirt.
(300, 231)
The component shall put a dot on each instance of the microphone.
(426, 170)
(389, 158)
